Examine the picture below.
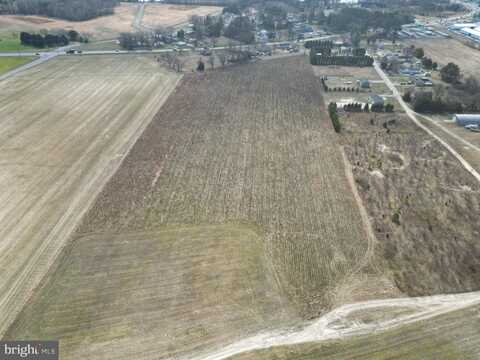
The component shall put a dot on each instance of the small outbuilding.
(364, 84)
(376, 100)
(467, 119)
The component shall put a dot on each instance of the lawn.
(10, 42)
(9, 63)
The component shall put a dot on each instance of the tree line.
(74, 10)
(241, 29)
(319, 59)
(42, 41)
(360, 20)
(319, 45)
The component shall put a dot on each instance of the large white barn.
(467, 119)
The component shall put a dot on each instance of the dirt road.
(137, 21)
(413, 115)
(341, 323)
(66, 126)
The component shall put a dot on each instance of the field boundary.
(31, 277)
(335, 325)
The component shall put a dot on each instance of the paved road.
(43, 57)
(413, 115)
(47, 55)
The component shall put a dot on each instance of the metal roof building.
(473, 33)
(467, 119)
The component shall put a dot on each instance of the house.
(364, 84)
(422, 82)
(467, 119)
(408, 52)
(375, 100)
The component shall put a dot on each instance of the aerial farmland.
(237, 182)
(279, 181)
(63, 135)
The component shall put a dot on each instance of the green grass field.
(9, 63)
(10, 42)
(110, 291)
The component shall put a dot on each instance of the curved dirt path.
(137, 21)
(367, 225)
(335, 325)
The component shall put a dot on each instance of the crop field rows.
(66, 125)
(245, 145)
(88, 303)
(243, 164)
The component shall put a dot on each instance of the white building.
(460, 26)
(472, 33)
(467, 119)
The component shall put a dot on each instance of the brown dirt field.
(34, 20)
(444, 51)
(243, 146)
(66, 125)
(271, 170)
(105, 27)
(422, 203)
(173, 15)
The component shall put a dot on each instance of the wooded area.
(75, 10)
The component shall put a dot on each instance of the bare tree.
(178, 64)
(222, 58)
(170, 59)
(211, 60)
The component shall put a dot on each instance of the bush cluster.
(332, 110)
(40, 41)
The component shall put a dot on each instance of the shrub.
(332, 110)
